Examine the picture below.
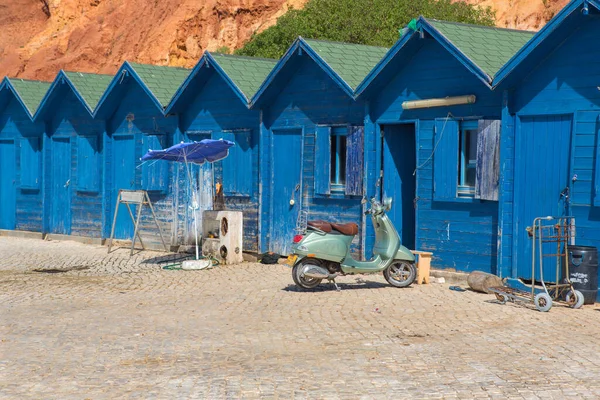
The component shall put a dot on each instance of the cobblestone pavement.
(121, 327)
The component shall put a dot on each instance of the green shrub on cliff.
(372, 22)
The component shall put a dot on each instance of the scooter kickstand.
(335, 284)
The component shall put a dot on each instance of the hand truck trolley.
(551, 237)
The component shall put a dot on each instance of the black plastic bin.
(583, 271)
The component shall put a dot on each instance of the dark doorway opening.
(399, 161)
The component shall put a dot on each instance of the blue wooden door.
(7, 184)
(123, 165)
(542, 165)
(399, 182)
(287, 186)
(60, 209)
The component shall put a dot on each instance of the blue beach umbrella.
(207, 150)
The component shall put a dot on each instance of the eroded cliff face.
(98, 35)
(522, 14)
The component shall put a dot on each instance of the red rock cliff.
(39, 37)
(98, 35)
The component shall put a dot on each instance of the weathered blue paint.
(286, 188)
(488, 160)
(209, 106)
(561, 25)
(238, 179)
(445, 161)
(123, 177)
(21, 171)
(541, 173)
(399, 182)
(301, 95)
(136, 124)
(155, 174)
(323, 153)
(60, 216)
(506, 191)
(551, 86)
(461, 232)
(89, 175)
(354, 161)
(74, 162)
(287, 65)
(30, 162)
(8, 184)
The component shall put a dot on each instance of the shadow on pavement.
(168, 258)
(329, 287)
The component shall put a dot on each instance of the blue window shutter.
(487, 176)
(445, 160)
(323, 160)
(354, 160)
(30, 163)
(237, 166)
(154, 173)
(88, 171)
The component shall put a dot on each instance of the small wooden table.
(423, 265)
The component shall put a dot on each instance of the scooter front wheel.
(302, 281)
(400, 274)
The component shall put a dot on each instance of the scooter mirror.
(387, 203)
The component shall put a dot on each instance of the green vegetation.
(223, 50)
(372, 22)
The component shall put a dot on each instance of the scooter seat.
(321, 225)
(349, 229)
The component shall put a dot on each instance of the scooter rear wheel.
(302, 281)
(400, 274)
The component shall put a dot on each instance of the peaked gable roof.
(246, 73)
(162, 81)
(28, 92)
(87, 88)
(352, 62)
(487, 47)
(482, 50)
(575, 7)
(91, 87)
(243, 74)
(346, 63)
(160, 84)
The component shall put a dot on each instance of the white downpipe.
(447, 101)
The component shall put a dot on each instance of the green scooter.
(322, 251)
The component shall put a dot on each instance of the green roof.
(30, 92)
(162, 81)
(91, 87)
(247, 73)
(487, 47)
(352, 62)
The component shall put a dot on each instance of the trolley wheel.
(575, 299)
(543, 302)
(502, 298)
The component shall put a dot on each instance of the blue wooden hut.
(73, 154)
(21, 155)
(312, 137)
(133, 110)
(550, 122)
(433, 107)
(213, 103)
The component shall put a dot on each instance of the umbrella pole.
(187, 166)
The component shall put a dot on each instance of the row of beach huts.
(473, 131)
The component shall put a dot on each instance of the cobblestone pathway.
(121, 327)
